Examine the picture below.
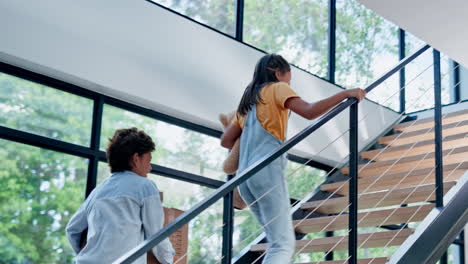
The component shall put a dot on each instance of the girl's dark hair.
(124, 144)
(264, 73)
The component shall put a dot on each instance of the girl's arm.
(314, 110)
(230, 135)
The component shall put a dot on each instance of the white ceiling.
(441, 24)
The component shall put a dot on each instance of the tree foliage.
(39, 189)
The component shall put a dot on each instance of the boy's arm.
(152, 215)
(77, 224)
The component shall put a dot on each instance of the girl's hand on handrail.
(357, 93)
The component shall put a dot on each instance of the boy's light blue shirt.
(119, 214)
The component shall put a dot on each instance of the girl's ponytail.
(264, 74)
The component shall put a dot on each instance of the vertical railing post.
(95, 142)
(461, 255)
(401, 37)
(444, 259)
(98, 105)
(438, 131)
(330, 256)
(228, 226)
(331, 40)
(455, 94)
(240, 20)
(353, 184)
(439, 173)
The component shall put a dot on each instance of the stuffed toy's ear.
(226, 119)
(223, 118)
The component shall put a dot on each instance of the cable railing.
(310, 213)
(229, 186)
(395, 186)
(414, 102)
(404, 200)
(346, 208)
(438, 187)
(379, 154)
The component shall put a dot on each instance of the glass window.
(246, 229)
(447, 78)
(178, 194)
(419, 86)
(45, 111)
(366, 47)
(40, 190)
(453, 254)
(303, 179)
(464, 82)
(176, 147)
(298, 30)
(219, 14)
(205, 235)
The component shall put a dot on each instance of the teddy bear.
(231, 163)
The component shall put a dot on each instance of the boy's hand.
(357, 93)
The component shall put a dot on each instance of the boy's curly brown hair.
(124, 144)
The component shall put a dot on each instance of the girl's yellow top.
(271, 113)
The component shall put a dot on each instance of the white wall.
(441, 24)
(143, 54)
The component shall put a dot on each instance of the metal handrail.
(229, 186)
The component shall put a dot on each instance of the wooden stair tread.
(371, 240)
(427, 130)
(457, 155)
(424, 134)
(421, 147)
(429, 122)
(424, 193)
(408, 168)
(366, 219)
(360, 261)
(388, 181)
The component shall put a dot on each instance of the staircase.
(400, 175)
(395, 189)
